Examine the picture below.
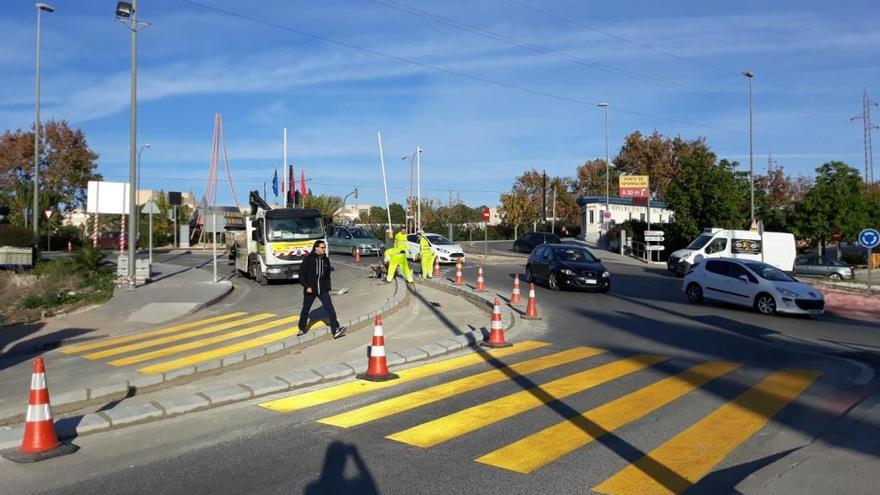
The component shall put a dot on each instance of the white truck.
(273, 242)
(773, 248)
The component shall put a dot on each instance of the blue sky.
(484, 107)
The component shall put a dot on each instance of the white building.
(352, 213)
(622, 209)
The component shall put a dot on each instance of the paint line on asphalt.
(539, 449)
(473, 418)
(456, 387)
(684, 459)
(358, 387)
(73, 349)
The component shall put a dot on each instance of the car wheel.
(765, 304)
(835, 276)
(530, 277)
(694, 293)
(553, 282)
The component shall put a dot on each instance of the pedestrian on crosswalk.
(314, 275)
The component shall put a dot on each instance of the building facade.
(592, 209)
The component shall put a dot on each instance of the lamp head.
(124, 10)
(748, 74)
(45, 6)
(603, 104)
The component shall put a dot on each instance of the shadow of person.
(333, 479)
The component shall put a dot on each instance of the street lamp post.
(150, 226)
(419, 188)
(607, 168)
(36, 214)
(749, 75)
(127, 14)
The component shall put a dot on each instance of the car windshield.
(289, 229)
(438, 240)
(699, 242)
(360, 234)
(768, 272)
(574, 255)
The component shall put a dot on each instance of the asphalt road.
(245, 448)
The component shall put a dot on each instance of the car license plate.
(590, 281)
(815, 312)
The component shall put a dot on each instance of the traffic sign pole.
(869, 238)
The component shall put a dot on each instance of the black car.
(527, 243)
(567, 266)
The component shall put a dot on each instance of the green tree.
(398, 214)
(654, 155)
(590, 178)
(836, 201)
(328, 205)
(517, 209)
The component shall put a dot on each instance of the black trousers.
(308, 300)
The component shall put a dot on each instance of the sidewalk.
(605, 255)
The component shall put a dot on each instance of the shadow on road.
(333, 480)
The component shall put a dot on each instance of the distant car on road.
(567, 266)
(818, 266)
(763, 287)
(347, 239)
(110, 240)
(445, 250)
(528, 242)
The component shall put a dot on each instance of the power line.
(623, 38)
(450, 71)
(545, 51)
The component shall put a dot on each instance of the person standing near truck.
(314, 275)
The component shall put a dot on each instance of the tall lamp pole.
(127, 14)
(150, 226)
(36, 214)
(607, 168)
(749, 75)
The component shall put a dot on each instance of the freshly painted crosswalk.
(189, 344)
(672, 467)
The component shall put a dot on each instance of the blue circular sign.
(869, 238)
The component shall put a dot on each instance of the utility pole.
(750, 75)
(544, 198)
(36, 213)
(865, 117)
(553, 229)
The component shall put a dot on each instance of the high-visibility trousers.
(399, 259)
(427, 263)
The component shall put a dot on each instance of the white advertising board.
(107, 197)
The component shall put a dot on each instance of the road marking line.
(473, 418)
(685, 458)
(73, 349)
(358, 387)
(539, 449)
(224, 351)
(188, 346)
(176, 337)
(433, 394)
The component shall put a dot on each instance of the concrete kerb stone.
(226, 394)
(112, 391)
(433, 349)
(78, 425)
(412, 354)
(299, 378)
(124, 414)
(333, 371)
(181, 403)
(266, 386)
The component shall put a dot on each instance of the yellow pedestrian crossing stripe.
(671, 468)
(691, 454)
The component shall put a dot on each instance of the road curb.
(135, 383)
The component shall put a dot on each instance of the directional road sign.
(654, 232)
(655, 247)
(653, 238)
(869, 238)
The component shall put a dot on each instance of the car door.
(538, 262)
(742, 285)
(716, 281)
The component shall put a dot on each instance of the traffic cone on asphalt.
(357, 255)
(437, 273)
(458, 277)
(69, 246)
(531, 305)
(496, 331)
(515, 297)
(481, 284)
(40, 441)
(377, 369)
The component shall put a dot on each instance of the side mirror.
(255, 235)
(597, 259)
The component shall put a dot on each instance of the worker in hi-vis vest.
(427, 256)
(398, 258)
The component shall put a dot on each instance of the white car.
(445, 250)
(751, 283)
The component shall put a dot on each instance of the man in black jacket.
(314, 275)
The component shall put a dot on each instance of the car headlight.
(567, 272)
(440, 250)
(787, 293)
(605, 274)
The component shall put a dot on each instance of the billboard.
(107, 197)
(633, 186)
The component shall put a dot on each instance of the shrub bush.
(12, 235)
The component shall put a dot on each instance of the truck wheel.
(264, 281)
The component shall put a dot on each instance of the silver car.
(347, 239)
(818, 266)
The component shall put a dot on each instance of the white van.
(774, 248)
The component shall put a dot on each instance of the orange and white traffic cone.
(40, 441)
(459, 279)
(69, 246)
(437, 273)
(515, 297)
(377, 369)
(496, 331)
(481, 284)
(357, 255)
(531, 305)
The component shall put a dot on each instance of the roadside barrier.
(481, 284)
(40, 440)
(515, 297)
(377, 368)
(531, 305)
(496, 330)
